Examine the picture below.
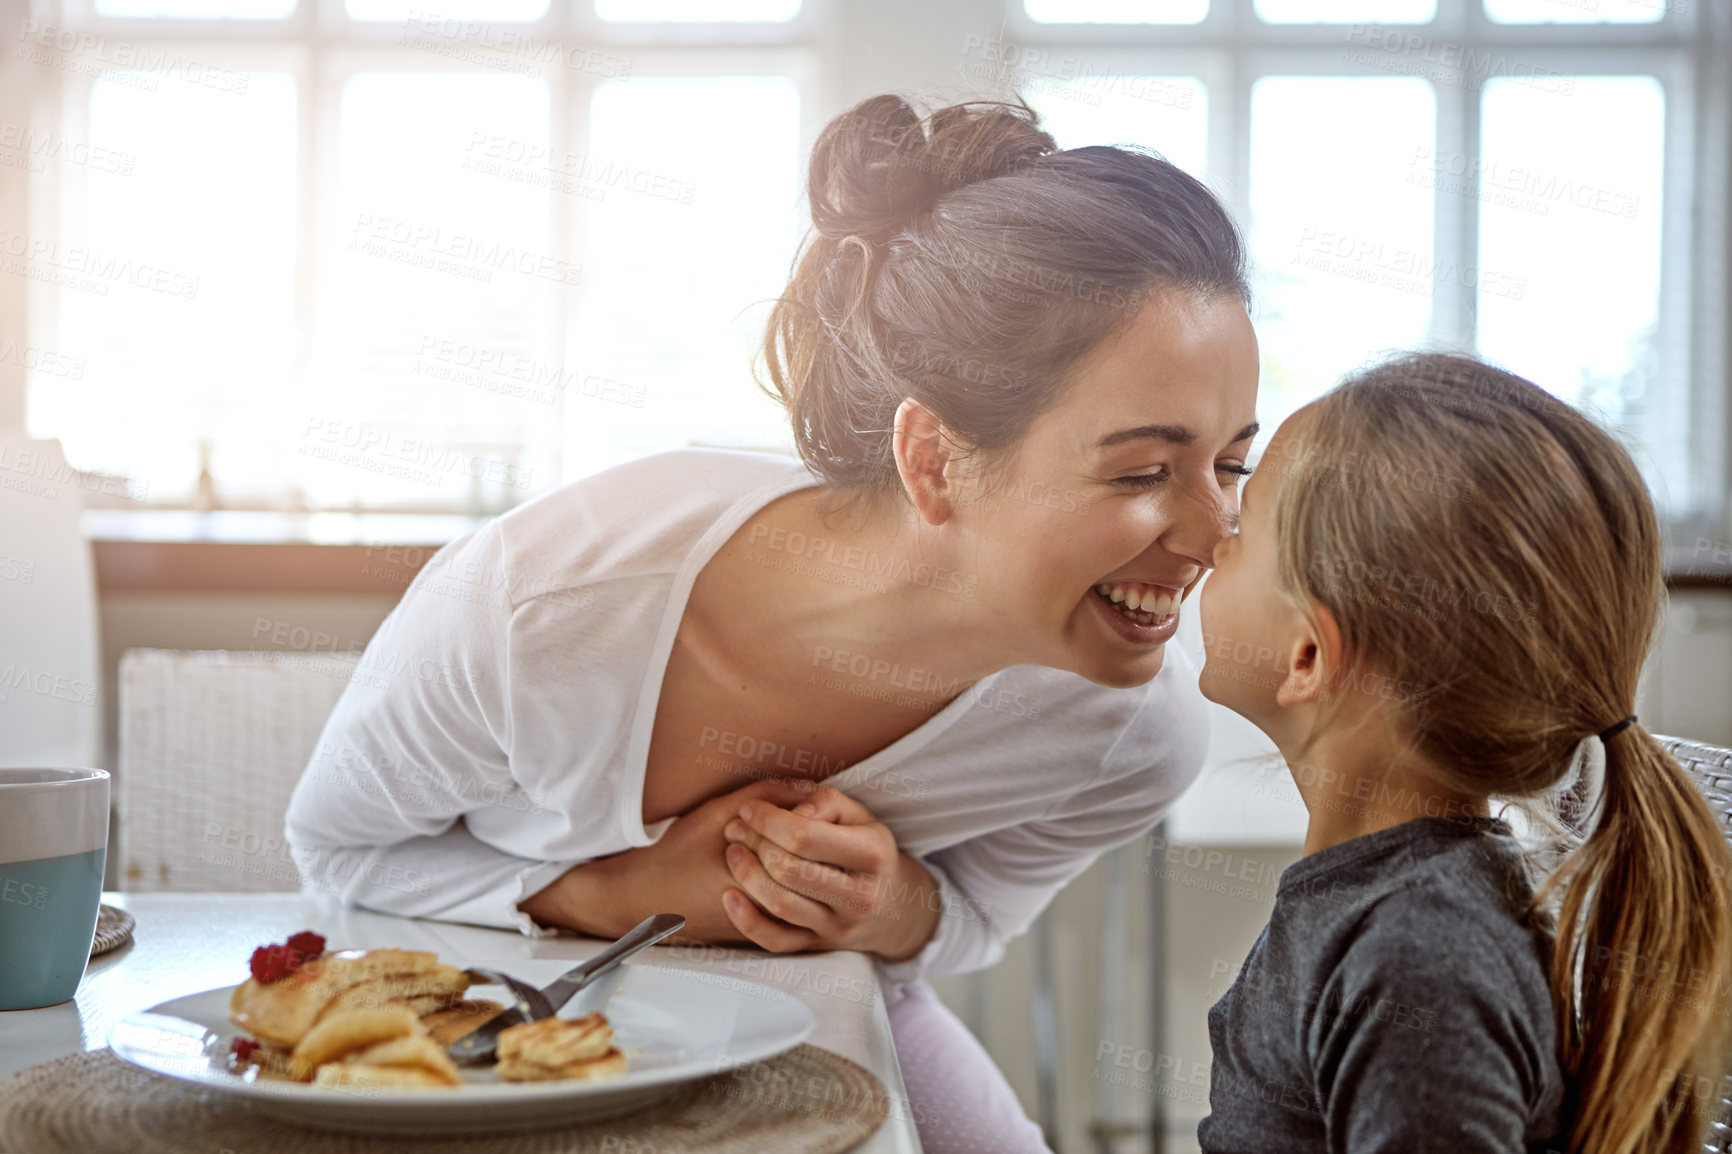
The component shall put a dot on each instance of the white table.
(185, 943)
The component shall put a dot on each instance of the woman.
(1022, 385)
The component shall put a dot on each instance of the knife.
(479, 1046)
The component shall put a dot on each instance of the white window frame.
(322, 47)
(1686, 50)
(1228, 51)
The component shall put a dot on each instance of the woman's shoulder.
(1163, 722)
(657, 487)
(634, 520)
(1171, 693)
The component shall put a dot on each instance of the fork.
(532, 1004)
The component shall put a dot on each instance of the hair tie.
(1616, 728)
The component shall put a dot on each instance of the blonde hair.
(1486, 544)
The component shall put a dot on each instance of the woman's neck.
(866, 588)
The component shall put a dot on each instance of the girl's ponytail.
(1644, 946)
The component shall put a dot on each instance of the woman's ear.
(1314, 662)
(925, 460)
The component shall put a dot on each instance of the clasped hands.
(824, 873)
(780, 863)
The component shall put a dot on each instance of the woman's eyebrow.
(1172, 434)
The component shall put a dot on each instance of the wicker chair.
(1711, 769)
(211, 745)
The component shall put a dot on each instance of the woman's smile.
(1139, 599)
(1120, 605)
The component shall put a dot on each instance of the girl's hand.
(832, 876)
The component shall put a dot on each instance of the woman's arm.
(420, 738)
(967, 901)
(831, 875)
(683, 872)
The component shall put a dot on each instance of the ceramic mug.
(53, 846)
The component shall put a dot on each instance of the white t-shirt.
(495, 731)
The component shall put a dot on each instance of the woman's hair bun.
(880, 164)
(963, 260)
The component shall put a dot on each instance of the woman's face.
(1112, 506)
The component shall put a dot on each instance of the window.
(1570, 194)
(1118, 11)
(352, 254)
(1510, 177)
(1341, 244)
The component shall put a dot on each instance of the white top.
(496, 729)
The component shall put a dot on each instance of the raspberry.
(307, 944)
(242, 1050)
(273, 963)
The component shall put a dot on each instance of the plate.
(674, 1026)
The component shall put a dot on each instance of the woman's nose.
(1203, 521)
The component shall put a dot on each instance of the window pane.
(1167, 113)
(427, 19)
(427, 253)
(1116, 11)
(1346, 11)
(1578, 11)
(697, 11)
(173, 278)
(204, 9)
(686, 240)
(1341, 239)
(1570, 200)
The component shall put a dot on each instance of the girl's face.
(1118, 495)
(1249, 629)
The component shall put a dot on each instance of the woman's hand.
(681, 873)
(832, 876)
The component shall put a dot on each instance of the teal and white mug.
(53, 846)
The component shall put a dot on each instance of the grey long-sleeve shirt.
(1394, 1004)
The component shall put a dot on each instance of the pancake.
(347, 1031)
(384, 1017)
(410, 1051)
(449, 1024)
(557, 1048)
(423, 992)
(282, 1012)
(609, 1065)
(338, 1074)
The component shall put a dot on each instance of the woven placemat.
(113, 930)
(806, 1101)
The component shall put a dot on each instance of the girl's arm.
(1433, 1035)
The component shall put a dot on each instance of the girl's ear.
(1314, 661)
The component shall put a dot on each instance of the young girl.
(1445, 582)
